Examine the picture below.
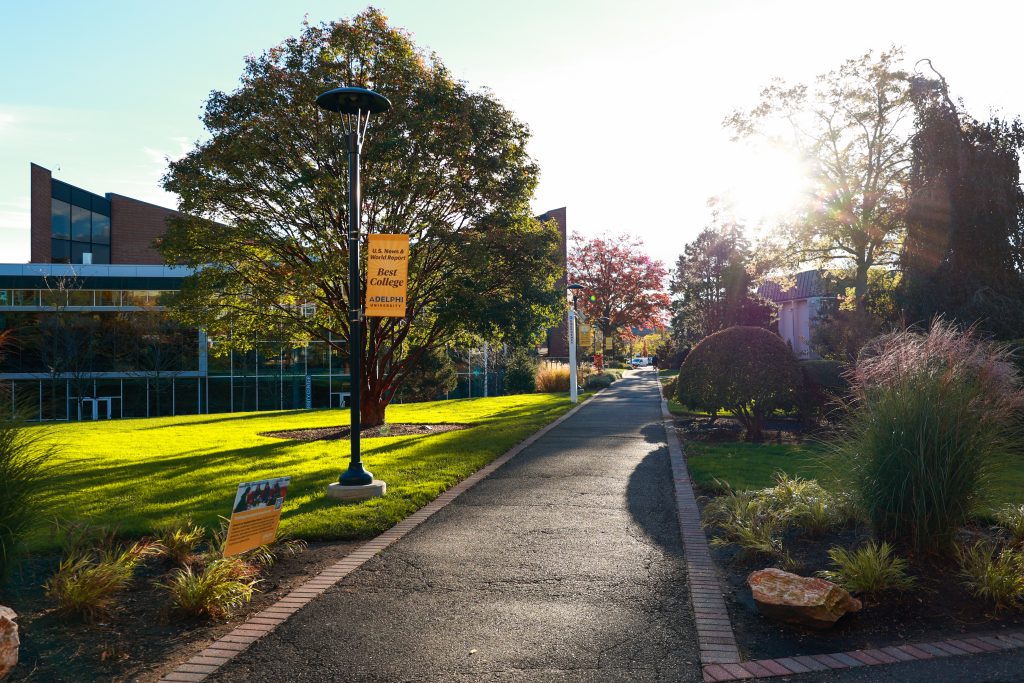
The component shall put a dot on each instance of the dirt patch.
(938, 608)
(141, 640)
(385, 430)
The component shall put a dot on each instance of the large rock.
(8, 641)
(800, 600)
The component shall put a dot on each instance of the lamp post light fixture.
(573, 390)
(355, 106)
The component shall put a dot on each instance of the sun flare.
(766, 184)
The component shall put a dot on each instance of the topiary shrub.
(747, 370)
(520, 373)
(931, 416)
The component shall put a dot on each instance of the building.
(800, 307)
(91, 337)
(557, 342)
(72, 225)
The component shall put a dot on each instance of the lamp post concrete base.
(374, 489)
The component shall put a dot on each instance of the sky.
(625, 100)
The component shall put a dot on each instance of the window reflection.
(60, 221)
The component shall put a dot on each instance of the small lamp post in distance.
(355, 106)
(573, 390)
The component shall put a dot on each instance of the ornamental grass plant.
(553, 379)
(931, 417)
(25, 456)
(869, 570)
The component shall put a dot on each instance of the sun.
(766, 184)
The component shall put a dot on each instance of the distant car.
(638, 362)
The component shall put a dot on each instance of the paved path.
(564, 565)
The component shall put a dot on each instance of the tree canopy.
(623, 287)
(712, 286)
(963, 254)
(852, 128)
(265, 216)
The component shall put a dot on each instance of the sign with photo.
(256, 514)
(387, 272)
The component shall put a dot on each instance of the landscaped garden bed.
(938, 606)
(911, 500)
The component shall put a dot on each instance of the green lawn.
(751, 466)
(135, 475)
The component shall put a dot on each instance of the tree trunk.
(371, 412)
(860, 286)
(372, 404)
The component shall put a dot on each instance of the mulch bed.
(141, 640)
(385, 430)
(937, 608)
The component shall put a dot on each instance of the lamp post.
(573, 391)
(355, 106)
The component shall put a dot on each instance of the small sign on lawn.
(255, 515)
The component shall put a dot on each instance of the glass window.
(108, 297)
(55, 298)
(80, 297)
(100, 253)
(79, 248)
(60, 222)
(136, 297)
(100, 228)
(60, 251)
(5, 297)
(25, 297)
(81, 226)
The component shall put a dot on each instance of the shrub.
(216, 591)
(930, 416)
(995, 576)
(553, 379)
(1011, 518)
(601, 381)
(670, 388)
(823, 383)
(87, 583)
(749, 371)
(24, 457)
(180, 542)
(520, 373)
(871, 569)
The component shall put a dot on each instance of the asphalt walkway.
(566, 564)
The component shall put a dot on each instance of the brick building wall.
(134, 229)
(40, 210)
(558, 338)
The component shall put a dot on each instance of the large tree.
(712, 286)
(264, 210)
(623, 287)
(963, 253)
(852, 129)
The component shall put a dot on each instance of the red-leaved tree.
(623, 287)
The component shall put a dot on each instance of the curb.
(719, 654)
(258, 625)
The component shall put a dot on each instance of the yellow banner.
(255, 515)
(586, 336)
(387, 273)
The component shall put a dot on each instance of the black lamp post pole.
(356, 474)
(355, 106)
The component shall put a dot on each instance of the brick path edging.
(719, 654)
(258, 625)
